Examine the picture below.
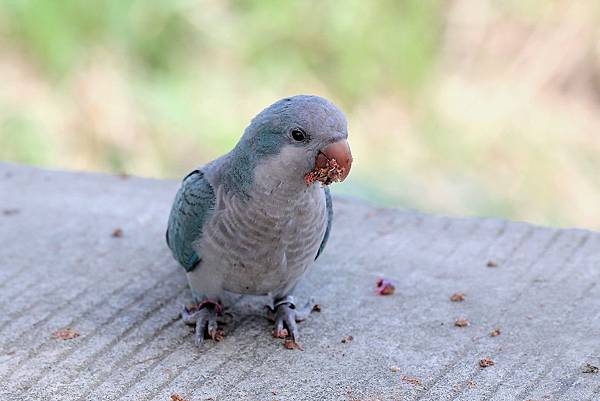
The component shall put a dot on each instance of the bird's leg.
(286, 314)
(204, 316)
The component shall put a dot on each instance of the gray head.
(296, 135)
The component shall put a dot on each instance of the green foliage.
(21, 140)
(358, 48)
(441, 96)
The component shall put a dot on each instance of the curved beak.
(340, 151)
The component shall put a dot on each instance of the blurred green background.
(464, 107)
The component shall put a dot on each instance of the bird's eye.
(298, 135)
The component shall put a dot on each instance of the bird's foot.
(285, 315)
(204, 316)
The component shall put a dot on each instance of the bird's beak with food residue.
(333, 164)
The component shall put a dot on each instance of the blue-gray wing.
(193, 205)
(329, 205)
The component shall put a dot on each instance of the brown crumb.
(491, 263)
(496, 332)
(317, 308)
(589, 368)
(273, 392)
(291, 344)
(177, 397)
(471, 384)
(456, 387)
(283, 333)
(347, 339)
(486, 362)
(117, 233)
(219, 335)
(10, 212)
(66, 334)
(461, 322)
(385, 287)
(411, 379)
(326, 175)
(457, 297)
(395, 369)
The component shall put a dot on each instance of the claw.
(292, 327)
(200, 324)
(212, 324)
(279, 331)
(204, 317)
(286, 315)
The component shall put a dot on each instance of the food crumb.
(117, 233)
(589, 368)
(331, 173)
(385, 287)
(461, 322)
(347, 339)
(486, 362)
(177, 397)
(66, 334)
(291, 344)
(411, 380)
(491, 263)
(471, 384)
(457, 297)
(395, 369)
(317, 308)
(496, 332)
(219, 335)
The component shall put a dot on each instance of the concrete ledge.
(60, 266)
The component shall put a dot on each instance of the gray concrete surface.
(61, 267)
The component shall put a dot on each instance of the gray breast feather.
(260, 245)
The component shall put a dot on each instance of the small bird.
(254, 220)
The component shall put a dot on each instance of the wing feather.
(193, 205)
(329, 206)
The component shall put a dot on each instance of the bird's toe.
(278, 330)
(201, 323)
(204, 317)
(292, 327)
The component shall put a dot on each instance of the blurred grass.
(460, 107)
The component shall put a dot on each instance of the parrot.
(253, 221)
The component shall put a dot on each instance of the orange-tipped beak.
(340, 151)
